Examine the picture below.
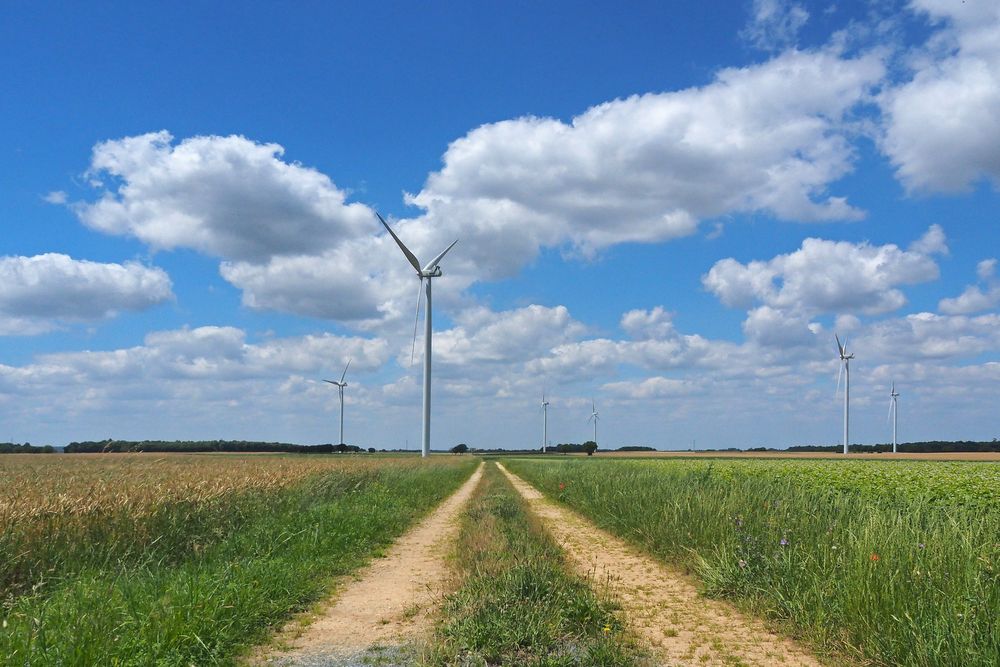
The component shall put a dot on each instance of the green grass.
(518, 605)
(894, 574)
(222, 576)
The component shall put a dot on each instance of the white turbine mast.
(429, 271)
(594, 417)
(340, 390)
(545, 422)
(845, 369)
(893, 412)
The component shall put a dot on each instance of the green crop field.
(188, 559)
(895, 563)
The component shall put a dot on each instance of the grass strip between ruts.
(206, 607)
(518, 604)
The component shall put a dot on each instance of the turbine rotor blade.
(345, 372)
(330, 381)
(416, 318)
(839, 376)
(840, 348)
(888, 416)
(406, 251)
(434, 262)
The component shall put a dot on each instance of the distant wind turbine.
(845, 369)
(593, 416)
(545, 421)
(431, 270)
(340, 390)
(893, 412)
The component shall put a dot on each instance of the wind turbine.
(340, 390)
(545, 421)
(893, 412)
(846, 370)
(593, 416)
(431, 270)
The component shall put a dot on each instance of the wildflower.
(921, 545)
(834, 547)
(562, 486)
(607, 629)
(874, 557)
(743, 563)
(784, 542)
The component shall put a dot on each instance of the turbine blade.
(434, 262)
(345, 371)
(416, 317)
(888, 416)
(840, 348)
(330, 381)
(406, 251)
(839, 376)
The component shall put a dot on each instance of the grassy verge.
(235, 568)
(893, 580)
(518, 605)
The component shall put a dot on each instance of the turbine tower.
(593, 416)
(893, 412)
(845, 369)
(340, 390)
(545, 422)
(431, 270)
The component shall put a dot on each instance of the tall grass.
(518, 605)
(893, 578)
(194, 579)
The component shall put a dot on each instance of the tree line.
(188, 446)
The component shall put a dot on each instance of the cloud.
(976, 298)
(927, 336)
(486, 336)
(652, 388)
(774, 24)
(224, 196)
(55, 197)
(36, 293)
(827, 277)
(942, 126)
(767, 138)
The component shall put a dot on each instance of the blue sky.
(667, 208)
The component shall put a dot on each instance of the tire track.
(662, 606)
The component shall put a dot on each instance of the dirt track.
(390, 603)
(662, 606)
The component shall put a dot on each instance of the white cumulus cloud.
(942, 126)
(38, 292)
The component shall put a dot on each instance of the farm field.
(890, 562)
(188, 559)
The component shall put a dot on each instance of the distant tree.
(460, 448)
(590, 447)
(371, 450)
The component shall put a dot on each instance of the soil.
(388, 606)
(662, 606)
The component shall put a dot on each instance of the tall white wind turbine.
(893, 412)
(340, 390)
(431, 270)
(845, 369)
(545, 422)
(593, 416)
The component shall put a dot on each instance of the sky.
(666, 209)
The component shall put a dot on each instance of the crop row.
(854, 565)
